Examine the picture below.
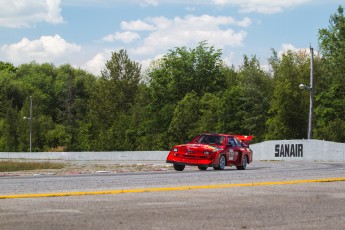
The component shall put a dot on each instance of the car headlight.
(175, 150)
(207, 152)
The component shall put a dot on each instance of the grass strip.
(12, 166)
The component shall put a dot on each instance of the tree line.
(188, 91)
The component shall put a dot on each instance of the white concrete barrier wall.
(89, 156)
(297, 150)
(287, 150)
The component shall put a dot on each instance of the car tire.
(222, 163)
(179, 167)
(243, 165)
(202, 168)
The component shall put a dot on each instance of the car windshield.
(210, 139)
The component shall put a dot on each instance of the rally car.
(212, 150)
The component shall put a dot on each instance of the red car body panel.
(206, 150)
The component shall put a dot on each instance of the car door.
(232, 150)
(244, 149)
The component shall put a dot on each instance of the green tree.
(60, 99)
(111, 102)
(9, 132)
(330, 109)
(72, 91)
(140, 133)
(230, 111)
(11, 100)
(184, 122)
(38, 79)
(7, 66)
(209, 114)
(289, 105)
(184, 70)
(178, 73)
(256, 89)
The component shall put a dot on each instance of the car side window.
(201, 139)
(238, 143)
(231, 142)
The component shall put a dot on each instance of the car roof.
(216, 134)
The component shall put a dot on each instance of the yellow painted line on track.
(164, 189)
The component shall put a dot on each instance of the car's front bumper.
(189, 161)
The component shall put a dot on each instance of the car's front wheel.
(222, 162)
(179, 167)
(243, 166)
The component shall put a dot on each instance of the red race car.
(213, 150)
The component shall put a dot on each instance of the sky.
(84, 33)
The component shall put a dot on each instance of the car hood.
(203, 147)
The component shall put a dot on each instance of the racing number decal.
(231, 155)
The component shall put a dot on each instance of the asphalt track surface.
(268, 195)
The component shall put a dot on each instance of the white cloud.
(286, 47)
(261, 6)
(97, 63)
(190, 30)
(159, 34)
(147, 62)
(266, 67)
(25, 13)
(148, 2)
(126, 37)
(229, 59)
(258, 6)
(46, 49)
(137, 25)
(289, 47)
(190, 9)
(245, 22)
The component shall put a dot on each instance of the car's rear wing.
(245, 139)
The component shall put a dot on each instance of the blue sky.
(83, 33)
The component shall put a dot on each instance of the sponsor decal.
(288, 150)
(231, 154)
(213, 148)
